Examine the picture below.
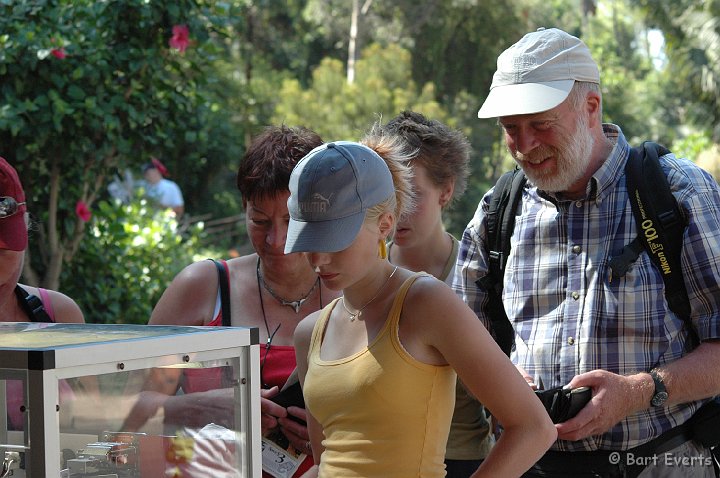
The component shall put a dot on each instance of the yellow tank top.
(384, 414)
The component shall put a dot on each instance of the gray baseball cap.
(331, 189)
(537, 73)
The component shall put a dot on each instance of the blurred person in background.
(163, 192)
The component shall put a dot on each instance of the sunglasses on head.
(9, 206)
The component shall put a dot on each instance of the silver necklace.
(295, 304)
(358, 313)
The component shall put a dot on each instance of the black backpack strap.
(620, 264)
(224, 284)
(660, 222)
(32, 306)
(502, 210)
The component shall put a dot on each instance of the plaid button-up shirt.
(568, 314)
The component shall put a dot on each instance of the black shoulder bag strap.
(660, 222)
(502, 210)
(661, 227)
(32, 306)
(223, 283)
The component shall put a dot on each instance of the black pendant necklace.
(295, 304)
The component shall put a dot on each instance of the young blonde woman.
(439, 158)
(378, 368)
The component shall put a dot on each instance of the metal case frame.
(66, 351)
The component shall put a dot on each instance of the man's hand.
(614, 398)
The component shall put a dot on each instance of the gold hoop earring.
(382, 249)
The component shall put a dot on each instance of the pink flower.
(180, 39)
(58, 53)
(82, 211)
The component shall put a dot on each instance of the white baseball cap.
(537, 73)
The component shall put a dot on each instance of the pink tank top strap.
(47, 303)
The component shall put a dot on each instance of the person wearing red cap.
(20, 302)
(13, 242)
(165, 192)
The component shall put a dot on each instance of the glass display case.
(129, 401)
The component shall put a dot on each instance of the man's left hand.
(614, 398)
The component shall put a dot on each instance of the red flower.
(82, 211)
(180, 39)
(58, 53)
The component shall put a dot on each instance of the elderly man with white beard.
(574, 324)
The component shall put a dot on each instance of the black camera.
(564, 403)
(290, 396)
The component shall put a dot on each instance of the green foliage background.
(131, 254)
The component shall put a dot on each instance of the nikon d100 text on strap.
(660, 225)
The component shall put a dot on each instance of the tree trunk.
(52, 275)
(29, 275)
(352, 41)
(51, 279)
